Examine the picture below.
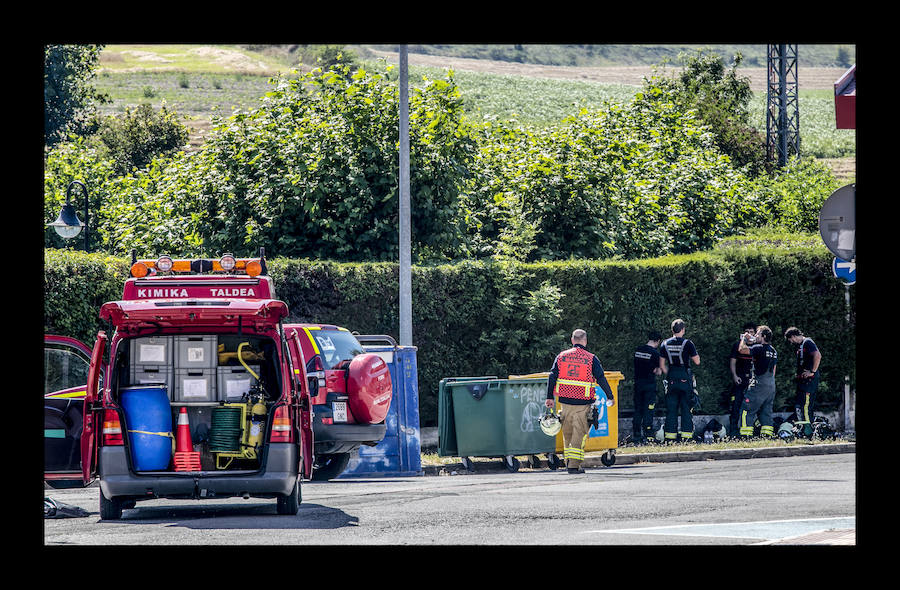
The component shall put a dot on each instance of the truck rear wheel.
(110, 509)
(290, 504)
(330, 466)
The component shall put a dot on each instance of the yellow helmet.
(550, 424)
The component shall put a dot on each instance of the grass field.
(200, 82)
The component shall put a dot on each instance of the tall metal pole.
(782, 110)
(405, 252)
(847, 422)
(84, 192)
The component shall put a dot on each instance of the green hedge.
(501, 318)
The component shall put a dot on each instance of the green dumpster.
(491, 417)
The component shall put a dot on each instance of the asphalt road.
(723, 502)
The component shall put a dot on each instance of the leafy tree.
(133, 139)
(311, 172)
(69, 98)
(626, 181)
(722, 100)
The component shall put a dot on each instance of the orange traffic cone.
(185, 458)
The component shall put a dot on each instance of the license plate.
(339, 411)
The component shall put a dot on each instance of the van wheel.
(330, 466)
(110, 509)
(290, 504)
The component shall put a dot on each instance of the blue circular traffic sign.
(844, 270)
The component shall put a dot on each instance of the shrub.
(721, 99)
(138, 136)
(799, 189)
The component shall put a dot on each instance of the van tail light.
(320, 372)
(112, 428)
(282, 429)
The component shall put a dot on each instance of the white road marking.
(766, 529)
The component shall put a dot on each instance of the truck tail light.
(282, 429)
(112, 428)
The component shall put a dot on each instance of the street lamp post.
(67, 224)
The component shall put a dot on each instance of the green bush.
(311, 172)
(75, 286)
(620, 182)
(135, 138)
(721, 99)
(799, 189)
(506, 317)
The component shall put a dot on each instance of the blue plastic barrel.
(148, 418)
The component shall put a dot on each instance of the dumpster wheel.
(467, 464)
(553, 461)
(511, 463)
(534, 462)
(608, 458)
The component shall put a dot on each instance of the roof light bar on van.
(227, 264)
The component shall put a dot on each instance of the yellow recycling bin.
(606, 436)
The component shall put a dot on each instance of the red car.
(346, 413)
(205, 392)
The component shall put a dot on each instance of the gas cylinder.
(256, 422)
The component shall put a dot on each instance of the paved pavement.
(833, 533)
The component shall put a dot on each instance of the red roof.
(845, 100)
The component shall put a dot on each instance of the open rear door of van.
(66, 362)
(93, 411)
(303, 402)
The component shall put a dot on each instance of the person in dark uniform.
(574, 377)
(808, 360)
(760, 394)
(741, 366)
(675, 356)
(646, 368)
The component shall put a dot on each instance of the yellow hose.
(240, 358)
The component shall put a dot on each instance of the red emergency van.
(203, 347)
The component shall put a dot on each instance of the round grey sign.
(837, 222)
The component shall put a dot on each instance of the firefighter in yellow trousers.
(574, 377)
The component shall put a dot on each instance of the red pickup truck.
(202, 346)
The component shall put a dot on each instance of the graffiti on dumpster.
(532, 398)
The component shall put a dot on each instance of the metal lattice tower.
(783, 112)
